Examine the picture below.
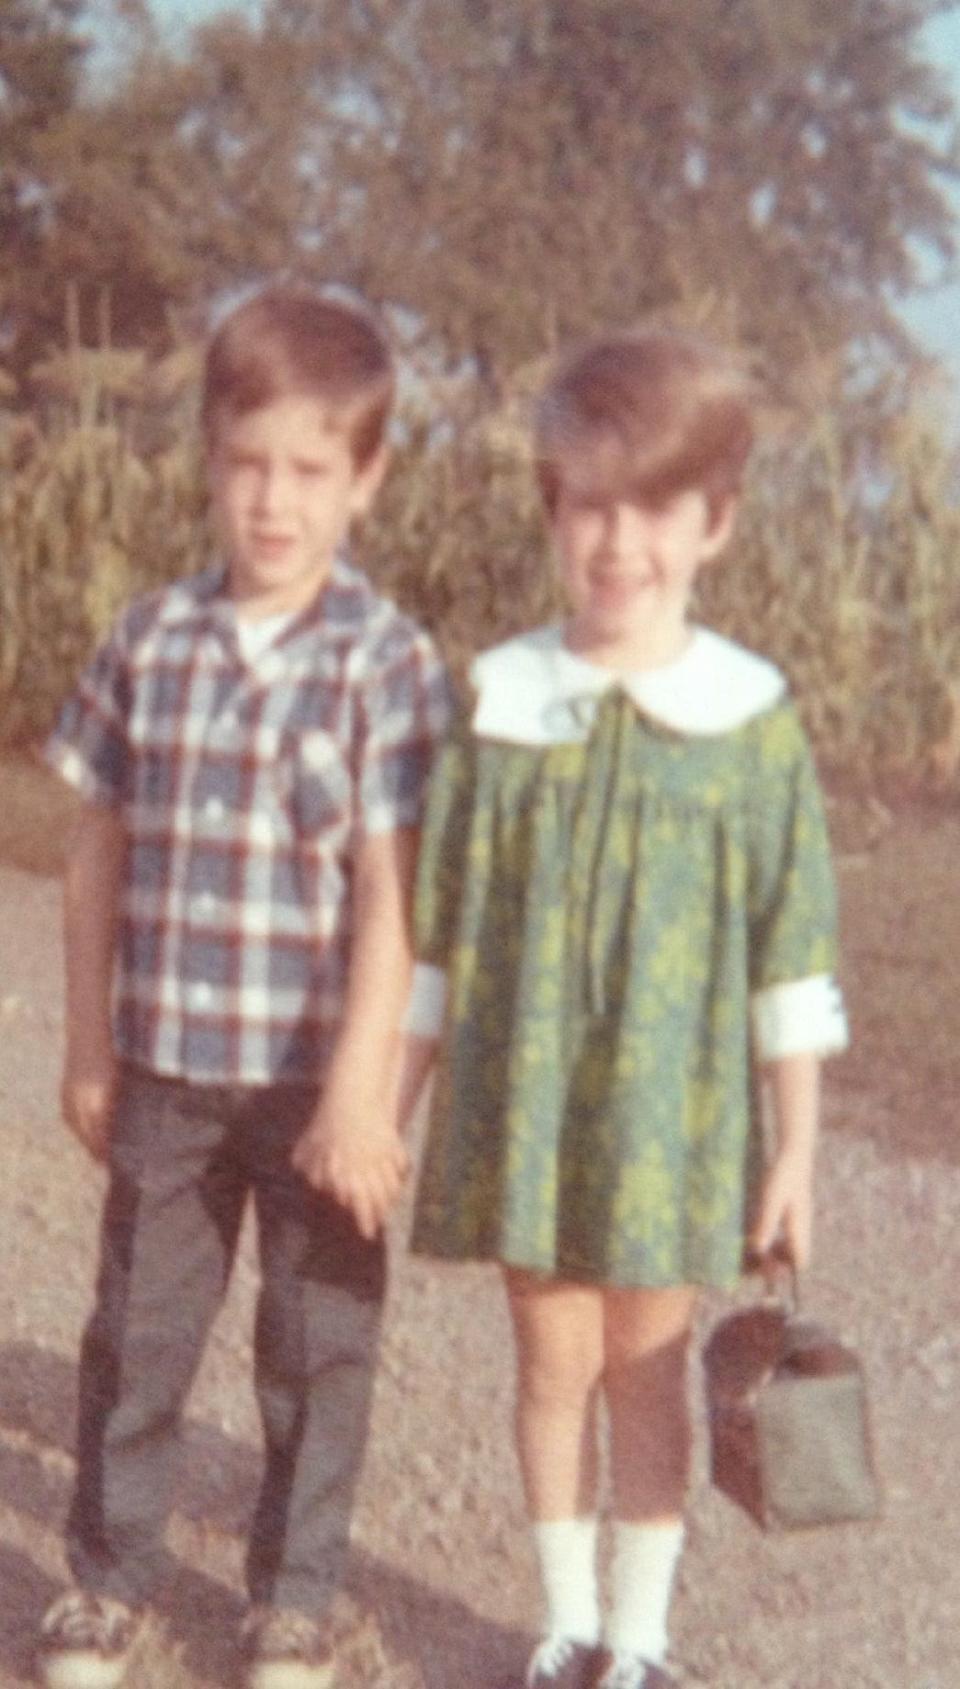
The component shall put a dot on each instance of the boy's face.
(284, 490)
(629, 565)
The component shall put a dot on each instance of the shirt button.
(214, 809)
(201, 995)
(205, 903)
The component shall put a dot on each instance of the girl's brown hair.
(646, 415)
(289, 340)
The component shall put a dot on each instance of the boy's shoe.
(285, 1650)
(560, 1663)
(85, 1641)
(630, 1671)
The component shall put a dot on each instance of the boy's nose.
(272, 489)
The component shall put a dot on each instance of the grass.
(36, 812)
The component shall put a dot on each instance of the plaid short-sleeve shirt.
(245, 791)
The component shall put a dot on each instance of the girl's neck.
(632, 652)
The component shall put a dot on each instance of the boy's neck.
(287, 600)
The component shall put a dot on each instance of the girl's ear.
(723, 518)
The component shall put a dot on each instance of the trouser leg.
(315, 1345)
(168, 1239)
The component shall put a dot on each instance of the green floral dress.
(604, 912)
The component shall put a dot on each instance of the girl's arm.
(417, 1060)
(786, 1202)
(92, 884)
(796, 1007)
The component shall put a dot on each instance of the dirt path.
(441, 1558)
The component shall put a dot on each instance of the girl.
(625, 891)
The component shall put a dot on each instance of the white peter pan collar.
(534, 691)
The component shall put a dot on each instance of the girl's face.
(628, 567)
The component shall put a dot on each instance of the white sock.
(644, 1561)
(567, 1554)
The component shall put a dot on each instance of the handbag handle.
(770, 1264)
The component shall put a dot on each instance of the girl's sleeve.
(440, 875)
(796, 1005)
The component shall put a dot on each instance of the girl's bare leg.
(559, 1337)
(646, 1334)
(559, 1333)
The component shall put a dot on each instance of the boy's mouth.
(271, 545)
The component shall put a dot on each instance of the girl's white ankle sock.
(644, 1561)
(567, 1554)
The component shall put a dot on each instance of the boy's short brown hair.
(288, 339)
(646, 415)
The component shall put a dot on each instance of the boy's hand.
(356, 1154)
(786, 1208)
(87, 1096)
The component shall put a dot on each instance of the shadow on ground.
(442, 1638)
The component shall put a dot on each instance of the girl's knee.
(559, 1380)
(559, 1341)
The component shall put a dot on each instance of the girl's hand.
(786, 1209)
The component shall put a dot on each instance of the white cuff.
(800, 1016)
(427, 1001)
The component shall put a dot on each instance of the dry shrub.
(846, 575)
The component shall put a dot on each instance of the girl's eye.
(311, 471)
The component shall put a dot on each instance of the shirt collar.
(534, 690)
(338, 611)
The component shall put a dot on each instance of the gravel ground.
(442, 1592)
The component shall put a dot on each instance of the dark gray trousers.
(183, 1160)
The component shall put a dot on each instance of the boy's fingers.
(89, 1123)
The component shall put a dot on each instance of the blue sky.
(934, 317)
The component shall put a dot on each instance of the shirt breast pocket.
(315, 785)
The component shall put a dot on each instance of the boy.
(251, 745)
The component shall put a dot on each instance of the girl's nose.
(625, 524)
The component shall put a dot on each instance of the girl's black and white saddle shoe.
(631, 1672)
(560, 1663)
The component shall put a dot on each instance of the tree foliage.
(538, 166)
(505, 173)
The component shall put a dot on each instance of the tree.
(41, 57)
(506, 174)
(531, 168)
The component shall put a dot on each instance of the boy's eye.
(310, 471)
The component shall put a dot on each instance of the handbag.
(788, 1418)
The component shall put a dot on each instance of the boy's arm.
(353, 1146)
(92, 883)
(786, 1204)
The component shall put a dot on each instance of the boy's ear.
(724, 516)
(368, 480)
